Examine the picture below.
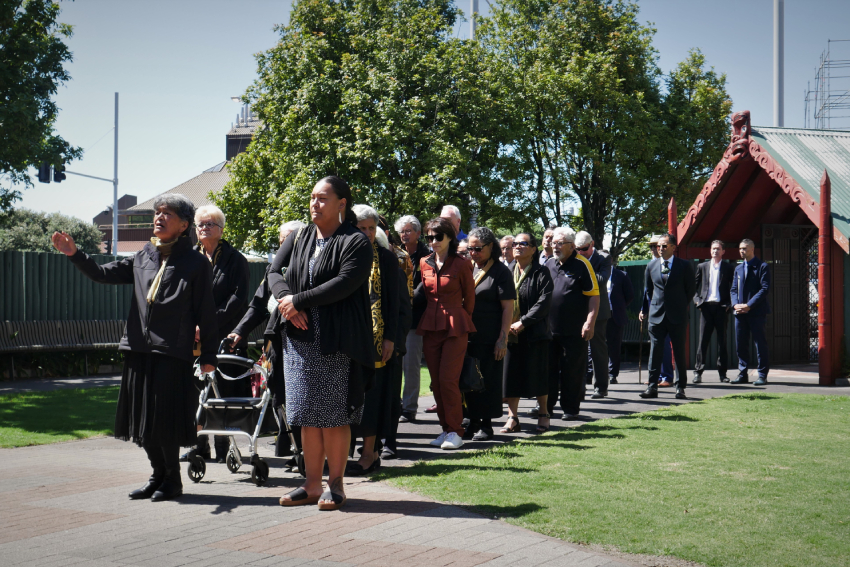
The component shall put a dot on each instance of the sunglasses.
(663, 246)
(434, 237)
(585, 249)
(475, 248)
(521, 244)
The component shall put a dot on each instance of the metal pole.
(115, 187)
(473, 18)
(778, 63)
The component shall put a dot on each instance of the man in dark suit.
(714, 280)
(620, 295)
(750, 285)
(597, 352)
(670, 286)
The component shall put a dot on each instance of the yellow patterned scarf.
(479, 277)
(375, 299)
(164, 249)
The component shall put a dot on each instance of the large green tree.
(26, 230)
(32, 66)
(382, 93)
(596, 122)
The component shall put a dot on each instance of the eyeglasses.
(521, 243)
(584, 249)
(463, 254)
(208, 225)
(434, 237)
(663, 246)
(407, 231)
(475, 248)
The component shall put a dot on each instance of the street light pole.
(115, 187)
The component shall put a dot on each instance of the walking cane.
(640, 354)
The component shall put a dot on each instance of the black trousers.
(165, 461)
(597, 356)
(657, 334)
(567, 367)
(713, 319)
(614, 336)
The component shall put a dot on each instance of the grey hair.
(453, 209)
(583, 239)
(405, 220)
(485, 236)
(180, 204)
(291, 226)
(363, 212)
(748, 242)
(565, 231)
(211, 211)
(506, 237)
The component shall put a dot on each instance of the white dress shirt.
(714, 282)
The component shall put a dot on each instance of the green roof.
(804, 154)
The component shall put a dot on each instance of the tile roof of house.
(804, 154)
(196, 189)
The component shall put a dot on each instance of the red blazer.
(449, 296)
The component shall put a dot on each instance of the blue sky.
(176, 64)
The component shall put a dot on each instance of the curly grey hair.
(363, 212)
(405, 220)
(179, 204)
(485, 236)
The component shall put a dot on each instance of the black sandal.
(541, 428)
(299, 497)
(337, 500)
(514, 428)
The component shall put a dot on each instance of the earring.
(340, 217)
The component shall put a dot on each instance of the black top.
(390, 282)
(574, 284)
(422, 251)
(535, 298)
(257, 312)
(724, 282)
(496, 286)
(184, 300)
(230, 288)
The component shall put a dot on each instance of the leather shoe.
(612, 380)
(697, 378)
(147, 490)
(407, 417)
(483, 434)
(741, 380)
(680, 394)
(724, 379)
(167, 491)
(760, 382)
(432, 409)
(597, 394)
(650, 392)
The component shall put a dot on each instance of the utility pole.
(473, 18)
(779, 63)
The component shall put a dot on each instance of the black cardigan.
(185, 300)
(257, 312)
(534, 296)
(340, 289)
(390, 282)
(230, 289)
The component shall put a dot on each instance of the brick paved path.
(66, 504)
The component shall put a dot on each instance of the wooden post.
(826, 358)
(672, 218)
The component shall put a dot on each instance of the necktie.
(665, 273)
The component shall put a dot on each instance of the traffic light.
(59, 173)
(44, 173)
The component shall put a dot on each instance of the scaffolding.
(827, 105)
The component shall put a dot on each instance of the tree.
(32, 58)
(379, 92)
(30, 231)
(592, 122)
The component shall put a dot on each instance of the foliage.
(592, 123)
(638, 251)
(706, 471)
(381, 93)
(58, 364)
(33, 56)
(26, 230)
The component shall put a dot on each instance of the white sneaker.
(453, 441)
(438, 442)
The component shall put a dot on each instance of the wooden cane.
(640, 354)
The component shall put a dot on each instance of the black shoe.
(650, 392)
(148, 489)
(724, 379)
(760, 382)
(741, 380)
(407, 417)
(168, 490)
(388, 454)
(465, 423)
(570, 417)
(612, 380)
(597, 394)
(533, 412)
(697, 378)
(355, 469)
(483, 434)
(680, 394)
(206, 454)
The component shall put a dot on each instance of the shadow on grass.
(752, 397)
(61, 412)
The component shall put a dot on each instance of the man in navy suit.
(670, 287)
(597, 350)
(750, 285)
(620, 295)
(714, 280)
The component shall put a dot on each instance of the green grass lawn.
(38, 418)
(425, 382)
(755, 479)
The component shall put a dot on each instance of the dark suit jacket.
(602, 264)
(750, 285)
(622, 294)
(669, 300)
(704, 281)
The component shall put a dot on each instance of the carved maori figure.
(740, 136)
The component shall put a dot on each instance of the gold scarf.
(164, 249)
(519, 276)
(215, 255)
(375, 299)
(483, 272)
(406, 266)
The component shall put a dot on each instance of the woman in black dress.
(494, 306)
(527, 361)
(328, 353)
(172, 285)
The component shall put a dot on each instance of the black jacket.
(184, 301)
(230, 289)
(534, 296)
(257, 312)
(390, 283)
(669, 300)
(703, 283)
(422, 251)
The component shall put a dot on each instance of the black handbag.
(471, 379)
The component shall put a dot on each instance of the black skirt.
(526, 369)
(157, 401)
(378, 409)
(486, 404)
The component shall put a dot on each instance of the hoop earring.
(340, 217)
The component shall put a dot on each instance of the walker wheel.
(232, 464)
(260, 473)
(197, 468)
(299, 464)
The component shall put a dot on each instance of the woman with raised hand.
(328, 351)
(172, 297)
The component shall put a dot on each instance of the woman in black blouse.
(494, 306)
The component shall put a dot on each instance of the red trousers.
(444, 357)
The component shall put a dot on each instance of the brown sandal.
(542, 428)
(513, 429)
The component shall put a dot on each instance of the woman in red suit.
(449, 292)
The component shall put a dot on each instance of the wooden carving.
(740, 136)
(787, 183)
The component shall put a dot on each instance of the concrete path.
(66, 504)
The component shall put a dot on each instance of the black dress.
(496, 286)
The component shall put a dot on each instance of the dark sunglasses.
(518, 244)
(663, 246)
(585, 249)
(475, 248)
(434, 237)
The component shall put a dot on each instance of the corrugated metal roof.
(245, 128)
(804, 154)
(196, 189)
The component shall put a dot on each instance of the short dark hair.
(486, 236)
(342, 191)
(180, 204)
(670, 239)
(533, 241)
(720, 242)
(440, 225)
